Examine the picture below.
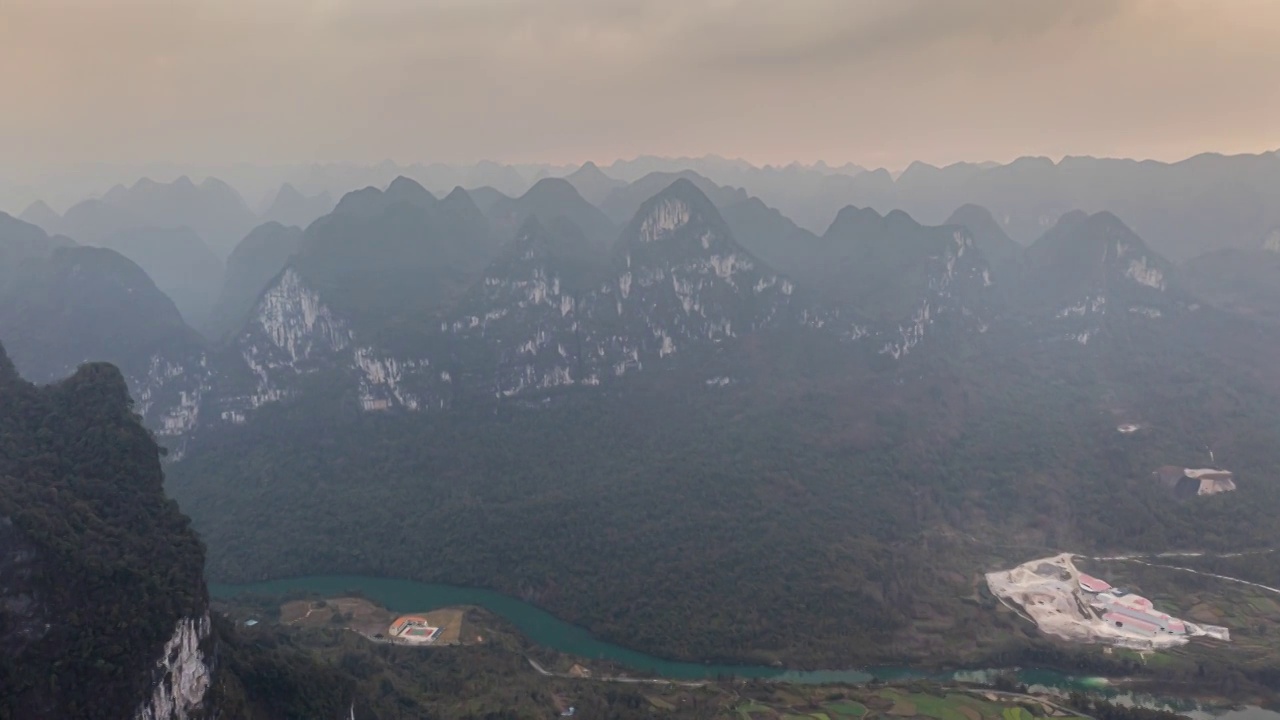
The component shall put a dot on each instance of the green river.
(546, 630)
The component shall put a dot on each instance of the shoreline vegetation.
(1057, 677)
(504, 670)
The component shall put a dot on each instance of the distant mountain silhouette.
(769, 235)
(1001, 250)
(91, 221)
(371, 201)
(83, 304)
(22, 243)
(622, 203)
(252, 265)
(548, 199)
(39, 213)
(1183, 208)
(592, 184)
(214, 210)
(291, 207)
(179, 262)
(486, 197)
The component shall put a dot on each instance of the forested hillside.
(100, 570)
(810, 512)
(103, 607)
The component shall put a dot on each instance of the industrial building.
(1129, 611)
(1089, 583)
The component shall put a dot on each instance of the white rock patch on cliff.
(183, 674)
(294, 318)
(1139, 271)
(667, 217)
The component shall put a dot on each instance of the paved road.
(1136, 559)
(637, 681)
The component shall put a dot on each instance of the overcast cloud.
(877, 82)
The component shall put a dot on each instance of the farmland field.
(882, 704)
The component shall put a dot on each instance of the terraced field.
(883, 704)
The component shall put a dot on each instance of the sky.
(874, 82)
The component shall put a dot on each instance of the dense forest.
(828, 516)
(102, 566)
(97, 567)
(494, 679)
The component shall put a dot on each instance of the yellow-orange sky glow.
(876, 82)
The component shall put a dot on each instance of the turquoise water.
(538, 625)
(548, 631)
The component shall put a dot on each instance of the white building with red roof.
(1137, 613)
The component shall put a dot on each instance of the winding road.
(1138, 559)
(638, 681)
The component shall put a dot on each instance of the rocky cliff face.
(182, 674)
(553, 310)
(546, 314)
(397, 301)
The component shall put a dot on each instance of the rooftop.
(1093, 584)
(1129, 622)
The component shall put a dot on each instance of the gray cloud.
(773, 36)
(872, 81)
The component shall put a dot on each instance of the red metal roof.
(1093, 584)
(1134, 601)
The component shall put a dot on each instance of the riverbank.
(541, 630)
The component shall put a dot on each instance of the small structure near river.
(414, 629)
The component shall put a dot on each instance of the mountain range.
(693, 409)
(385, 267)
(680, 382)
(212, 209)
(1183, 208)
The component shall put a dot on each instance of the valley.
(661, 450)
(623, 359)
(556, 650)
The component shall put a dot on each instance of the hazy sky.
(877, 82)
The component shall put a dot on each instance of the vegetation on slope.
(105, 565)
(829, 517)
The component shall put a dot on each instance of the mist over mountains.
(649, 367)
(1205, 202)
(395, 259)
(681, 361)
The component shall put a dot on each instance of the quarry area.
(1066, 603)
(1191, 481)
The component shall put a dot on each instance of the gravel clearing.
(1047, 591)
